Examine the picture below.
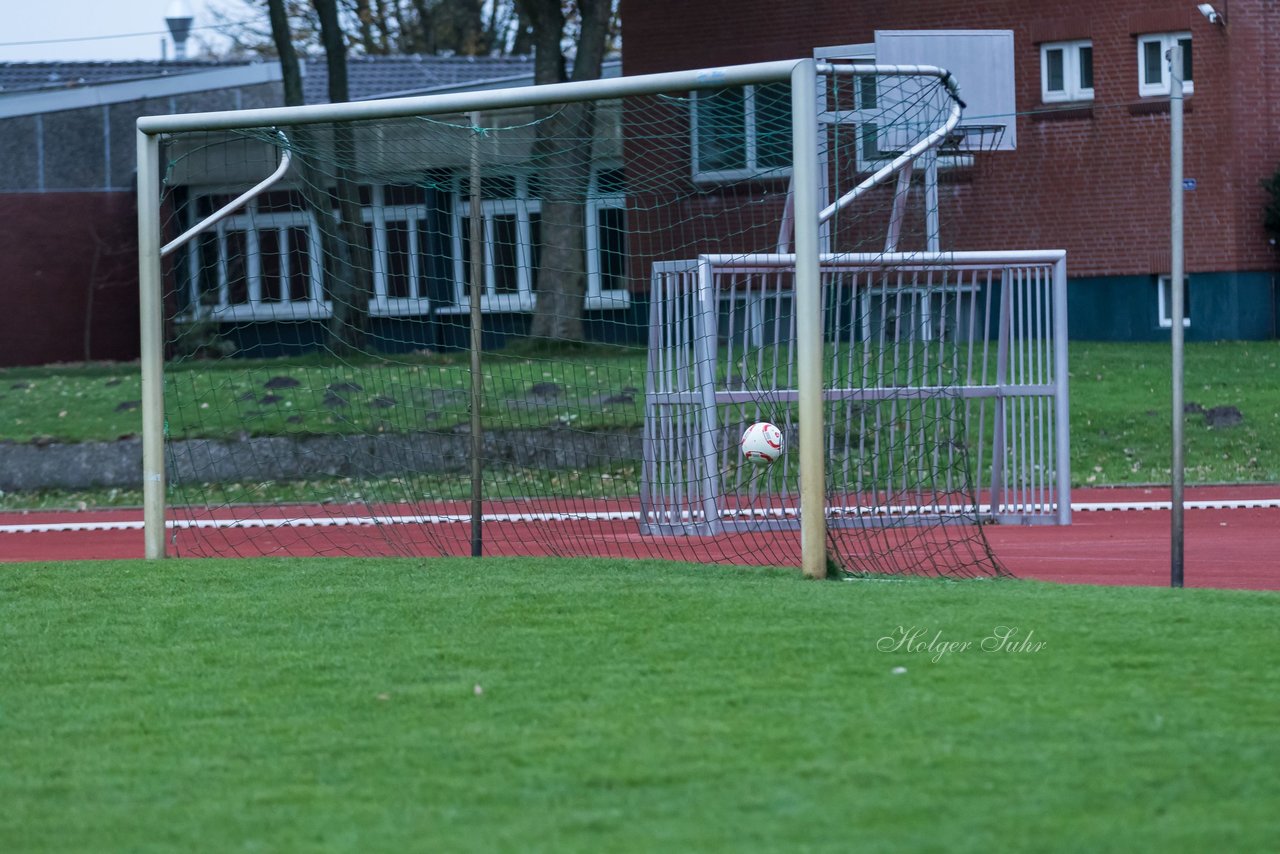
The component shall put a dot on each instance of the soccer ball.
(761, 443)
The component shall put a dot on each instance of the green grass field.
(526, 705)
(1120, 397)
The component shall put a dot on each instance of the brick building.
(1091, 169)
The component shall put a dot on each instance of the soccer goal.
(534, 321)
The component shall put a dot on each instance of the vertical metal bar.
(1040, 462)
(788, 370)
(945, 377)
(882, 471)
(151, 316)
(932, 214)
(1061, 402)
(851, 344)
(477, 339)
(677, 338)
(899, 209)
(1035, 446)
(897, 380)
(1028, 479)
(998, 450)
(985, 356)
(733, 378)
(804, 124)
(1176, 308)
(653, 411)
(705, 347)
(1022, 459)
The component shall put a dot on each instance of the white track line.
(587, 516)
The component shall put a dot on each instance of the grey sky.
(87, 22)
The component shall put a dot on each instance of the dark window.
(397, 259)
(1055, 70)
(237, 259)
(1086, 68)
(1152, 63)
(506, 265)
(269, 261)
(613, 248)
(299, 263)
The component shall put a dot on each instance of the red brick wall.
(69, 267)
(1097, 184)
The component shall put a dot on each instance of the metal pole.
(805, 180)
(1061, 403)
(1176, 308)
(463, 102)
(151, 316)
(476, 236)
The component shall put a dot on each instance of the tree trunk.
(564, 146)
(352, 286)
(304, 141)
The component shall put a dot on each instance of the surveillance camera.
(1210, 13)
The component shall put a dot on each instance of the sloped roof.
(381, 76)
(368, 76)
(30, 77)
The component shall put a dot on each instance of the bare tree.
(351, 287)
(348, 266)
(380, 27)
(563, 151)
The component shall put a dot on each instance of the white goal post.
(802, 74)
(813, 215)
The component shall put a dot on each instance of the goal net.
(521, 323)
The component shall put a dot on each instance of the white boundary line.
(74, 526)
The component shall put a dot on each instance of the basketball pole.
(1176, 309)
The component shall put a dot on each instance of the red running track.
(1225, 548)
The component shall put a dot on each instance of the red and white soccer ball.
(761, 443)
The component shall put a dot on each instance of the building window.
(1164, 302)
(265, 264)
(511, 213)
(1066, 71)
(1153, 67)
(397, 224)
(742, 132)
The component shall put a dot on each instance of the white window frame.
(379, 215)
(751, 168)
(1072, 89)
(252, 223)
(524, 208)
(1166, 41)
(1164, 306)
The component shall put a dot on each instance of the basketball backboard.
(981, 61)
